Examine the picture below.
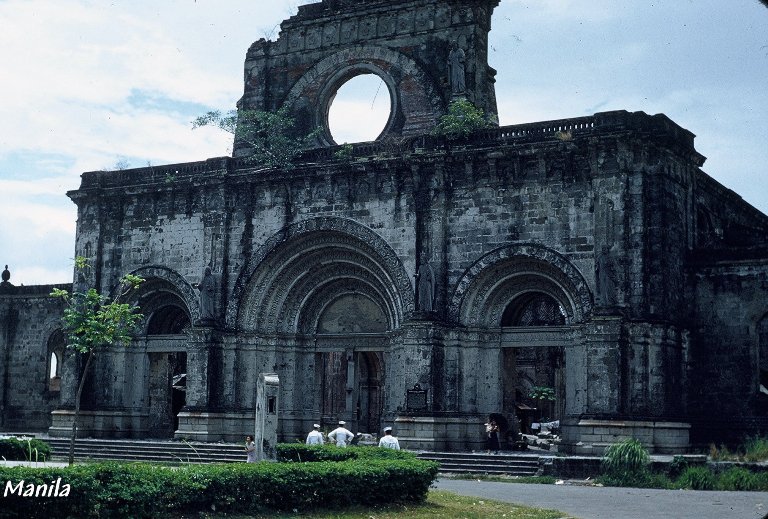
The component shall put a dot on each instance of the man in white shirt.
(315, 437)
(341, 435)
(388, 441)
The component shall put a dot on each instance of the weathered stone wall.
(29, 322)
(731, 297)
(544, 201)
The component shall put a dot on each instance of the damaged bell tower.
(426, 52)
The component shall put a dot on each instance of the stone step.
(172, 452)
(162, 452)
(472, 463)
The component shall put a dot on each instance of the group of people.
(341, 436)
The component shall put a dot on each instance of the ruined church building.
(418, 282)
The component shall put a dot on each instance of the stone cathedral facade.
(418, 282)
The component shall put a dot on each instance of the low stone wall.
(441, 433)
(592, 437)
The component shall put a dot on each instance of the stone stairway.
(166, 452)
(496, 464)
(177, 453)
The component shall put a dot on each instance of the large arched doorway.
(533, 376)
(323, 297)
(166, 344)
(534, 298)
(352, 379)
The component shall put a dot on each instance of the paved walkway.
(586, 502)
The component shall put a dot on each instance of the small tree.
(92, 322)
(269, 135)
(463, 118)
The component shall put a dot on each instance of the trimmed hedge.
(140, 490)
(14, 449)
(300, 453)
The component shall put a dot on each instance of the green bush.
(300, 453)
(756, 449)
(140, 490)
(737, 478)
(463, 118)
(626, 464)
(696, 478)
(24, 450)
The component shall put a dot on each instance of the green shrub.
(463, 118)
(677, 466)
(761, 480)
(737, 478)
(299, 452)
(24, 450)
(696, 478)
(756, 449)
(140, 490)
(625, 464)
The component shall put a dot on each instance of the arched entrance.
(534, 298)
(323, 295)
(533, 377)
(166, 349)
(352, 379)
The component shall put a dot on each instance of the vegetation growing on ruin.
(270, 137)
(463, 118)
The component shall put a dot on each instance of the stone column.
(604, 339)
(199, 419)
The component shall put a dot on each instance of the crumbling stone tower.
(407, 43)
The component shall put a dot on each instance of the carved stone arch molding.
(491, 283)
(416, 102)
(163, 286)
(288, 280)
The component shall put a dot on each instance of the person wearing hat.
(388, 441)
(341, 435)
(315, 437)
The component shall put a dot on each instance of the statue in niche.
(425, 279)
(456, 65)
(605, 277)
(207, 288)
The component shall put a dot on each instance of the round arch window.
(360, 109)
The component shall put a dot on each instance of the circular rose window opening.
(360, 110)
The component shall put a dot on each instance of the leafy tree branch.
(91, 322)
(268, 135)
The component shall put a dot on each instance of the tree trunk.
(77, 409)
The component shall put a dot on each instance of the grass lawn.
(439, 505)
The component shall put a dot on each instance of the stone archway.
(529, 369)
(327, 296)
(166, 337)
(534, 300)
(352, 379)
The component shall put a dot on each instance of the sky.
(94, 84)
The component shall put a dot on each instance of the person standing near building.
(492, 435)
(341, 435)
(250, 449)
(315, 437)
(388, 441)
